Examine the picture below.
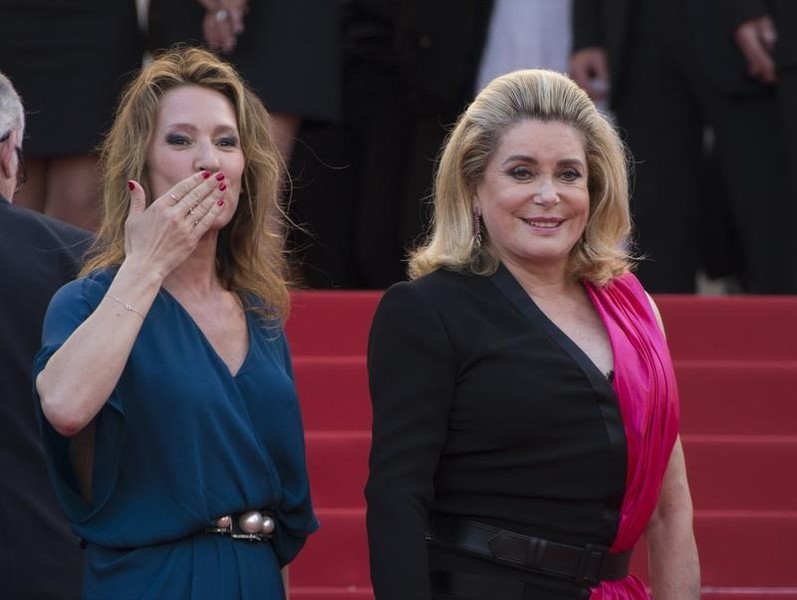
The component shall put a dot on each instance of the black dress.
(288, 53)
(69, 60)
(484, 409)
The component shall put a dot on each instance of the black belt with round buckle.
(588, 565)
(253, 525)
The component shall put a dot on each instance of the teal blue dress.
(180, 442)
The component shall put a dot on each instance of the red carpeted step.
(747, 549)
(330, 323)
(741, 549)
(738, 327)
(762, 593)
(759, 593)
(336, 556)
(737, 549)
(338, 467)
(751, 397)
(333, 392)
(330, 593)
(738, 472)
(730, 327)
(738, 397)
(725, 473)
(708, 593)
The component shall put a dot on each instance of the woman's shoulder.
(629, 291)
(627, 287)
(73, 303)
(97, 282)
(443, 281)
(90, 288)
(442, 290)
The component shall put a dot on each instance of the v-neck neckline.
(211, 348)
(524, 304)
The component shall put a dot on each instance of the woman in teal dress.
(166, 395)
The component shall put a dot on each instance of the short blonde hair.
(535, 94)
(250, 257)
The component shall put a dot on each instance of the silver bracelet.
(128, 307)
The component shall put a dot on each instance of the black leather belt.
(586, 566)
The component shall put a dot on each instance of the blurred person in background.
(526, 34)
(768, 40)
(362, 184)
(69, 59)
(287, 52)
(672, 71)
(40, 558)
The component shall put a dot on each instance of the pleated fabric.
(644, 381)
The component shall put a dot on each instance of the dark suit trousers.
(664, 102)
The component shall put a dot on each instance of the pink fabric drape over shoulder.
(645, 385)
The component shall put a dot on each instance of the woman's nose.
(207, 158)
(546, 194)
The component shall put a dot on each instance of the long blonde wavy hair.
(537, 94)
(250, 257)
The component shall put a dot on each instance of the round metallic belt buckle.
(257, 524)
(253, 525)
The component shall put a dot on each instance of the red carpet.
(736, 360)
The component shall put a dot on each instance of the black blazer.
(483, 408)
(39, 556)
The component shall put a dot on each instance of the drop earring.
(477, 228)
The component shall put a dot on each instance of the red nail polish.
(219, 176)
(223, 187)
(220, 202)
(131, 186)
(205, 174)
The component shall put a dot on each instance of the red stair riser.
(330, 323)
(336, 555)
(333, 393)
(740, 473)
(338, 468)
(749, 397)
(733, 327)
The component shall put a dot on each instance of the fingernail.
(131, 186)
(205, 174)
(220, 202)
(223, 187)
(220, 176)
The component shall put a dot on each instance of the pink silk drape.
(644, 381)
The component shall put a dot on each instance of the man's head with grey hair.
(12, 115)
(12, 126)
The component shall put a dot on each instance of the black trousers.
(736, 206)
(452, 585)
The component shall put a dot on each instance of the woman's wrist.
(143, 276)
